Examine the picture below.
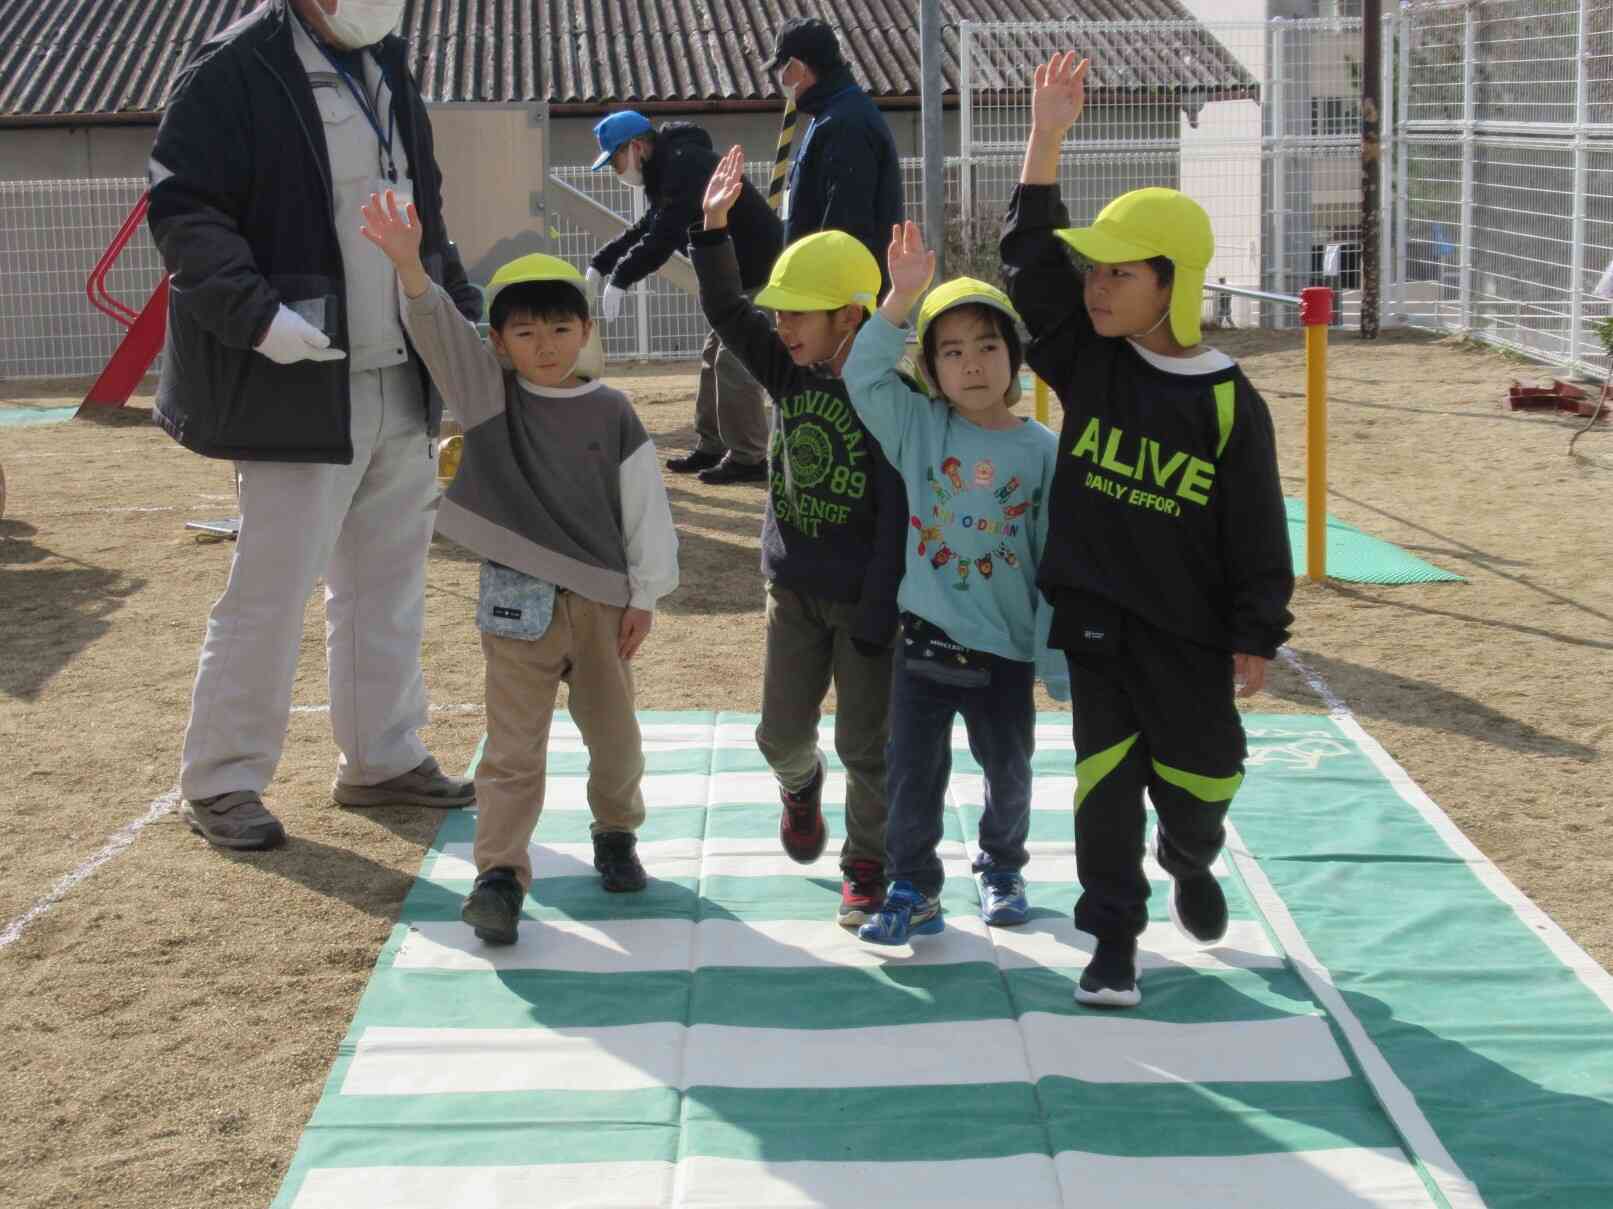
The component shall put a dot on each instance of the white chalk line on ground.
(120, 840)
(125, 836)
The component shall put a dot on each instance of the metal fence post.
(1469, 150)
(642, 290)
(1402, 232)
(966, 191)
(1386, 176)
(1576, 274)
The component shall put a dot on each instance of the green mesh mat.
(1360, 557)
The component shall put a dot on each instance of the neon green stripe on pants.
(1094, 768)
(1205, 789)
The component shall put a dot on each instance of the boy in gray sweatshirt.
(560, 493)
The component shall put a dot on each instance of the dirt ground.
(170, 1022)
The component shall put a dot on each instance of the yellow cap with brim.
(1153, 222)
(960, 291)
(539, 266)
(823, 272)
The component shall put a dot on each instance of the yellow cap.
(1146, 223)
(539, 266)
(822, 272)
(961, 291)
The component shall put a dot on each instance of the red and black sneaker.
(862, 892)
(800, 823)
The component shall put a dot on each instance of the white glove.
(610, 305)
(593, 279)
(292, 338)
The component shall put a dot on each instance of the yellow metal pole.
(1316, 313)
(1040, 393)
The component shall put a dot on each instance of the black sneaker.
(800, 823)
(1110, 979)
(730, 470)
(695, 459)
(617, 862)
(1198, 906)
(493, 907)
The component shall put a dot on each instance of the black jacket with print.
(1166, 501)
(836, 518)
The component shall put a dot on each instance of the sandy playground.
(169, 1022)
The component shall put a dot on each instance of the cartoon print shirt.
(977, 505)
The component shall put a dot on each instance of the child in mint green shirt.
(974, 624)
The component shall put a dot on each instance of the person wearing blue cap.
(672, 166)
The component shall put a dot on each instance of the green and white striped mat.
(1387, 1024)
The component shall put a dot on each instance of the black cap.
(809, 39)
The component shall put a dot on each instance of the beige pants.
(523, 678)
(365, 527)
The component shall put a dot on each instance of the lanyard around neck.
(366, 106)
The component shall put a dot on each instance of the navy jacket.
(846, 175)
(243, 214)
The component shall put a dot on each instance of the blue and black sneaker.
(1002, 897)
(906, 913)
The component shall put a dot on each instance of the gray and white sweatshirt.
(559, 484)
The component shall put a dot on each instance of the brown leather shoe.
(233, 820)
(425, 785)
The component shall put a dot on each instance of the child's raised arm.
(911, 268)
(461, 366)
(1058, 97)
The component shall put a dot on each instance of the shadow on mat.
(1377, 693)
(50, 613)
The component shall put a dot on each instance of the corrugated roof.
(106, 59)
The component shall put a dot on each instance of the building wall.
(53, 153)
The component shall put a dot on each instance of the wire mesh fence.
(51, 235)
(1258, 121)
(1504, 149)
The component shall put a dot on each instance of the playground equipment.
(1315, 315)
(146, 327)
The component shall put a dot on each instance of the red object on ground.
(143, 340)
(1559, 396)
(1316, 306)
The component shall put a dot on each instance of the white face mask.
(357, 23)
(633, 174)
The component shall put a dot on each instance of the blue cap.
(616, 129)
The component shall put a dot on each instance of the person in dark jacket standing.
(846, 175)
(285, 352)
(672, 166)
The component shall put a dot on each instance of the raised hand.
(396, 232)
(911, 266)
(1059, 93)
(722, 191)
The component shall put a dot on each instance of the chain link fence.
(51, 235)
(1504, 171)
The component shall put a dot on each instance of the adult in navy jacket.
(846, 175)
(285, 352)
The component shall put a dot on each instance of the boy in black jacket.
(1167, 561)
(832, 538)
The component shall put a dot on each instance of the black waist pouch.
(1084, 624)
(927, 652)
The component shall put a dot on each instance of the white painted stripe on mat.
(1054, 861)
(608, 947)
(621, 946)
(1026, 1181)
(1048, 792)
(664, 790)
(1051, 942)
(424, 1061)
(763, 857)
(437, 1061)
(661, 858)
(645, 1185)
(1050, 736)
(1343, 1178)
(1112, 1049)
(901, 1055)
(1395, 1097)
(120, 839)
